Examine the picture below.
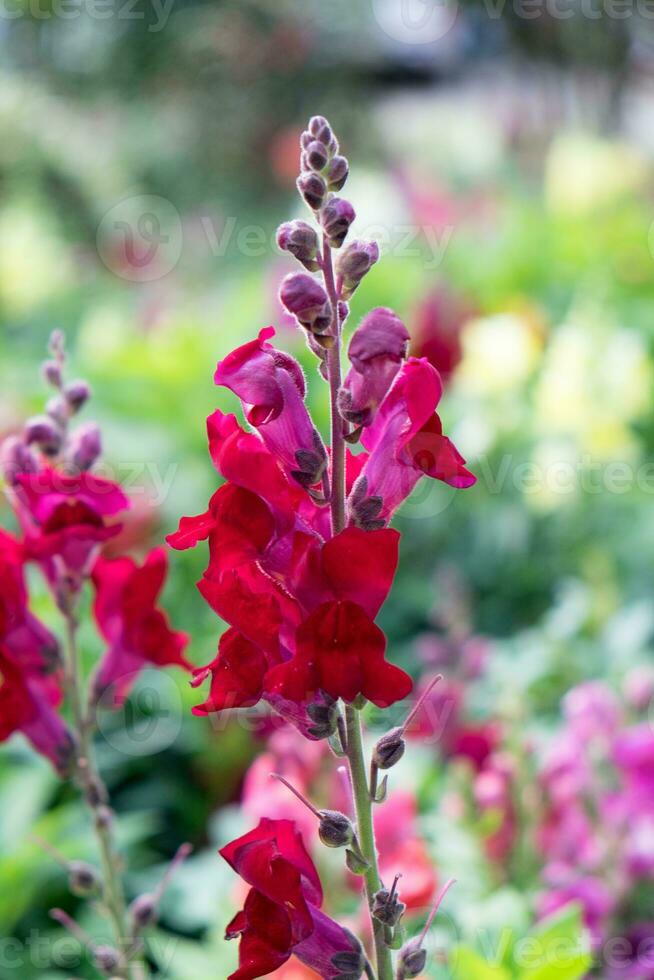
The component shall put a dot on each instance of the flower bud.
(411, 961)
(354, 262)
(324, 717)
(313, 189)
(143, 912)
(106, 959)
(16, 458)
(76, 394)
(387, 907)
(51, 371)
(84, 448)
(307, 300)
(320, 129)
(83, 880)
(301, 240)
(335, 829)
(45, 433)
(336, 218)
(389, 749)
(337, 173)
(58, 409)
(316, 155)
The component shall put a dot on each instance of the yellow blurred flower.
(583, 173)
(499, 352)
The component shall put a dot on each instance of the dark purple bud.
(389, 749)
(305, 139)
(387, 907)
(324, 715)
(52, 373)
(83, 880)
(354, 262)
(45, 433)
(320, 129)
(58, 409)
(316, 155)
(343, 311)
(301, 240)
(303, 296)
(411, 962)
(336, 218)
(313, 189)
(350, 964)
(16, 458)
(337, 173)
(364, 510)
(84, 447)
(106, 959)
(143, 912)
(335, 829)
(76, 394)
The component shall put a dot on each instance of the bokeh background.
(502, 154)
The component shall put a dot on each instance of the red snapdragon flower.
(405, 442)
(282, 913)
(28, 703)
(29, 655)
(271, 386)
(376, 351)
(138, 633)
(65, 516)
(23, 636)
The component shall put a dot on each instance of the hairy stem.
(354, 739)
(95, 796)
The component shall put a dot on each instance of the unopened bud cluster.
(323, 173)
(47, 436)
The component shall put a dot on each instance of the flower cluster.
(66, 513)
(301, 557)
(598, 825)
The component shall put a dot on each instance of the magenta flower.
(65, 516)
(377, 349)
(25, 639)
(137, 632)
(272, 389)
(28, 703)
(405, 443)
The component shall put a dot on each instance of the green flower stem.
(363, 806)
(95, 794)
(355, 754)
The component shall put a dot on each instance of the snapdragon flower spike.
(405, 442)
(281, 916)
(377, 349)
(138, 633)
(272, 389)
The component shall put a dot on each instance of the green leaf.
(557, 949)
(468, 965)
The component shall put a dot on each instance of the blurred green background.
(148, 153)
